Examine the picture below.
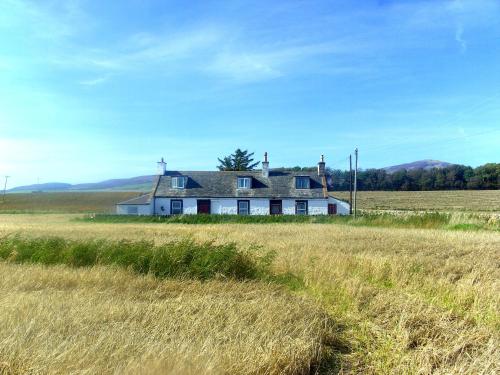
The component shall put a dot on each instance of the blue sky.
(91, 90)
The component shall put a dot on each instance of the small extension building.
(256, 192)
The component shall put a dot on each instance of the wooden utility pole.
(5, 188)
(355, 182)
(350, 184)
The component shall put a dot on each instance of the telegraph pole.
(355, 182)
(5, 188)
(350, 184)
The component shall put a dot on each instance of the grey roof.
(143, 199)
(217, 184)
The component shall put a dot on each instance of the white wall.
(258, 206)
(318, 207)
(342, 207)
(189, 206)
(142, 209)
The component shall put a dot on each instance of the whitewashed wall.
(258, 206)
(142, 209)
(342, 207)
(318, 207)
(189, 206)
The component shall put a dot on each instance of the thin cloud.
(459, 32)
(93, 82)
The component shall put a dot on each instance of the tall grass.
(175, 259)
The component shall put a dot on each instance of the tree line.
(455, 177)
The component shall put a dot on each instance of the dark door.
(332, 209)
(275, 207)
(203, 206)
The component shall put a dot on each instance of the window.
(301, 207)
(179, 182)
(132, 210)
(244, 182)
(176, 207)
(243, 207)
(302, 182)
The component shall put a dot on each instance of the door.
(275, 207)
(203, 206)
(332, 209)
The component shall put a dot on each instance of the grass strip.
(176, 259)
(426, 220)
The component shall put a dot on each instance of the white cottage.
(257, 192)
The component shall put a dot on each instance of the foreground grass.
(399, 301)
(62, 320)
(428, 220)
(177, 259)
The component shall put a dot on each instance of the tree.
(239, 161)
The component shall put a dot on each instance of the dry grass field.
(453, 200)
(66, 202)
(396, 301)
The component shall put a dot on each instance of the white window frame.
(302, 178)
(246, 182)
(179, 182)
(245, 211)
(301, 211)
(179, 209)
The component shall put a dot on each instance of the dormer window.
(244, 182)
(302, 182)
(179, 182)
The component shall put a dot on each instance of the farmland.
(104, 202)
(63, 202)
(362, 300)
(452, 200)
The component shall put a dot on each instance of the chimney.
(162, 167)
(321, 166)
(265, 166)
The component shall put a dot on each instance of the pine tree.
(238, 161)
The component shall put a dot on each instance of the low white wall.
(342, 207)
(142, 209)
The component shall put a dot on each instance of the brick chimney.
(162, 167)
(265, 166)
(321, 166)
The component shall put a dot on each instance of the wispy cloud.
(459, 32)
(93, 82)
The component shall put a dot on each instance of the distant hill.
(49, 186)
(140, 183)
(421, 164)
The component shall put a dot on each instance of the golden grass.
(59, 320)
(401, 300)
(453, 200)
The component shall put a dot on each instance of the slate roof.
(143, 199)
(218, 184)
